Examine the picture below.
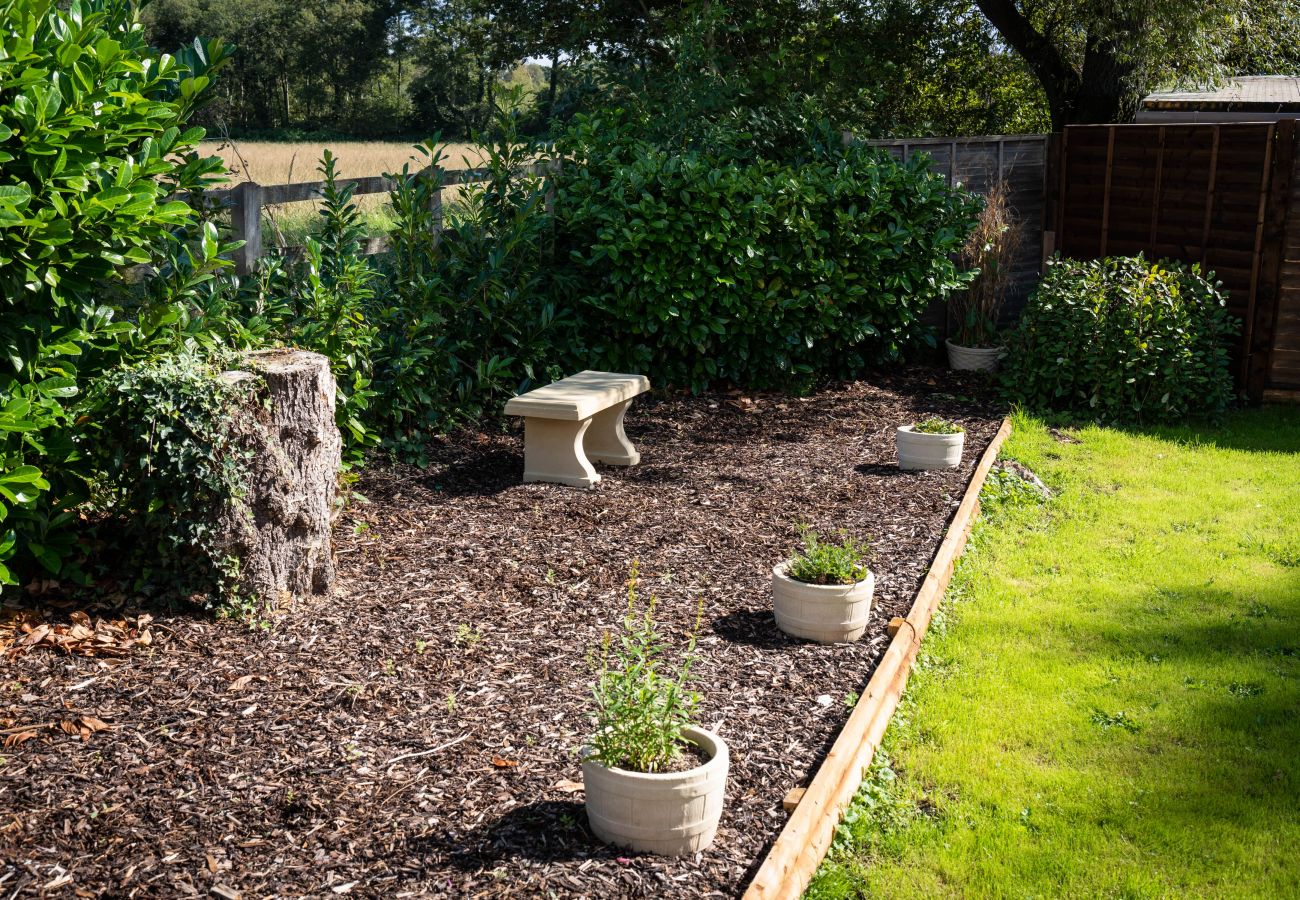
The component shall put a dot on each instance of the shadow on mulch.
(480, 475)
(545, 831)
(753, 628)
(881, 469)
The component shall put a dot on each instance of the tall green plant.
(94, 156)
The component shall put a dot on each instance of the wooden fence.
(246, 200)
(1019, 162)
(1218, 195)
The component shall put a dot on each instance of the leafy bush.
(640, 711)
(693, 268)
(92, 156)
(168, 463)
(476, 312)
(936, 425)
(1122, 340)
(325, 301)
(822, 563)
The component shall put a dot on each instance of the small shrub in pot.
(647, 788)
(932, 443)
(823, 593)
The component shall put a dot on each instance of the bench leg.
(553, 452)
(606, 441)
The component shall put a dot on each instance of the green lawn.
(1109, 703)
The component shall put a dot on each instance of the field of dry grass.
(268, 162)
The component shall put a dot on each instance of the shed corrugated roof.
(1254, 92)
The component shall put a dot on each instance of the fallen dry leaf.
(502, 763)
(241, 682)
(568, 786)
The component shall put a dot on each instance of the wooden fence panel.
(1284, 364)
(1207, 194)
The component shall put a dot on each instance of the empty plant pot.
(668, 813)
(826, 613)
(972, 359)
(917, 450)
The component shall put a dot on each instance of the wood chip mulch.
(416, 733)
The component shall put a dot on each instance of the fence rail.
(246, 200)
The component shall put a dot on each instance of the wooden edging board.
(807, 835)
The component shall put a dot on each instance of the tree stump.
(280, 531)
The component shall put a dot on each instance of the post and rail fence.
(246, 200)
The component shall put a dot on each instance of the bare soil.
(417, 733)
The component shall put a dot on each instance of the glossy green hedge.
(94, 161)
(694, 268)
(1122, 340)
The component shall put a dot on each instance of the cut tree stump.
(280, 531)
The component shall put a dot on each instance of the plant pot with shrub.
(990, 252)
(823, 593)
(654, 781)
(933, 443)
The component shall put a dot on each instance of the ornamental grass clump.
(642, 704)
(820, 562)
(991, 252)
(936, 425)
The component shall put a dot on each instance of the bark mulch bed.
(416, 734)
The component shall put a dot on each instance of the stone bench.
(574, 421)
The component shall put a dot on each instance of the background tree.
(1096, 58)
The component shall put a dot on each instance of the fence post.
(246, 225)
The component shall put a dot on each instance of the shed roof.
(1263, 93)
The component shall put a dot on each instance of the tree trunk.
(280, 531)
(1104, 89)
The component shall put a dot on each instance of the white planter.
(669, 813)
(972, 359)
(826, 613)
(928, 451)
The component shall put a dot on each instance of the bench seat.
(574, 421)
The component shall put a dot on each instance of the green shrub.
(820, 562)
(168, 464)
(640, 711)
(476, 313)
(1122, 340)
(693, 268)
(93, 151)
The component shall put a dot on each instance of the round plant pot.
(928, 451)
(668, 813)
(972, 359)
(826, 613)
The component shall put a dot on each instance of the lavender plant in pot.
(823, 593)
(975, 344)
(654, 780)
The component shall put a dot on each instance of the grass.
(269, 162)
(1109, 705)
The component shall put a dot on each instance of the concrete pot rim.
(702, 738)
(925, 435)
(780, 569)
(999, 349)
